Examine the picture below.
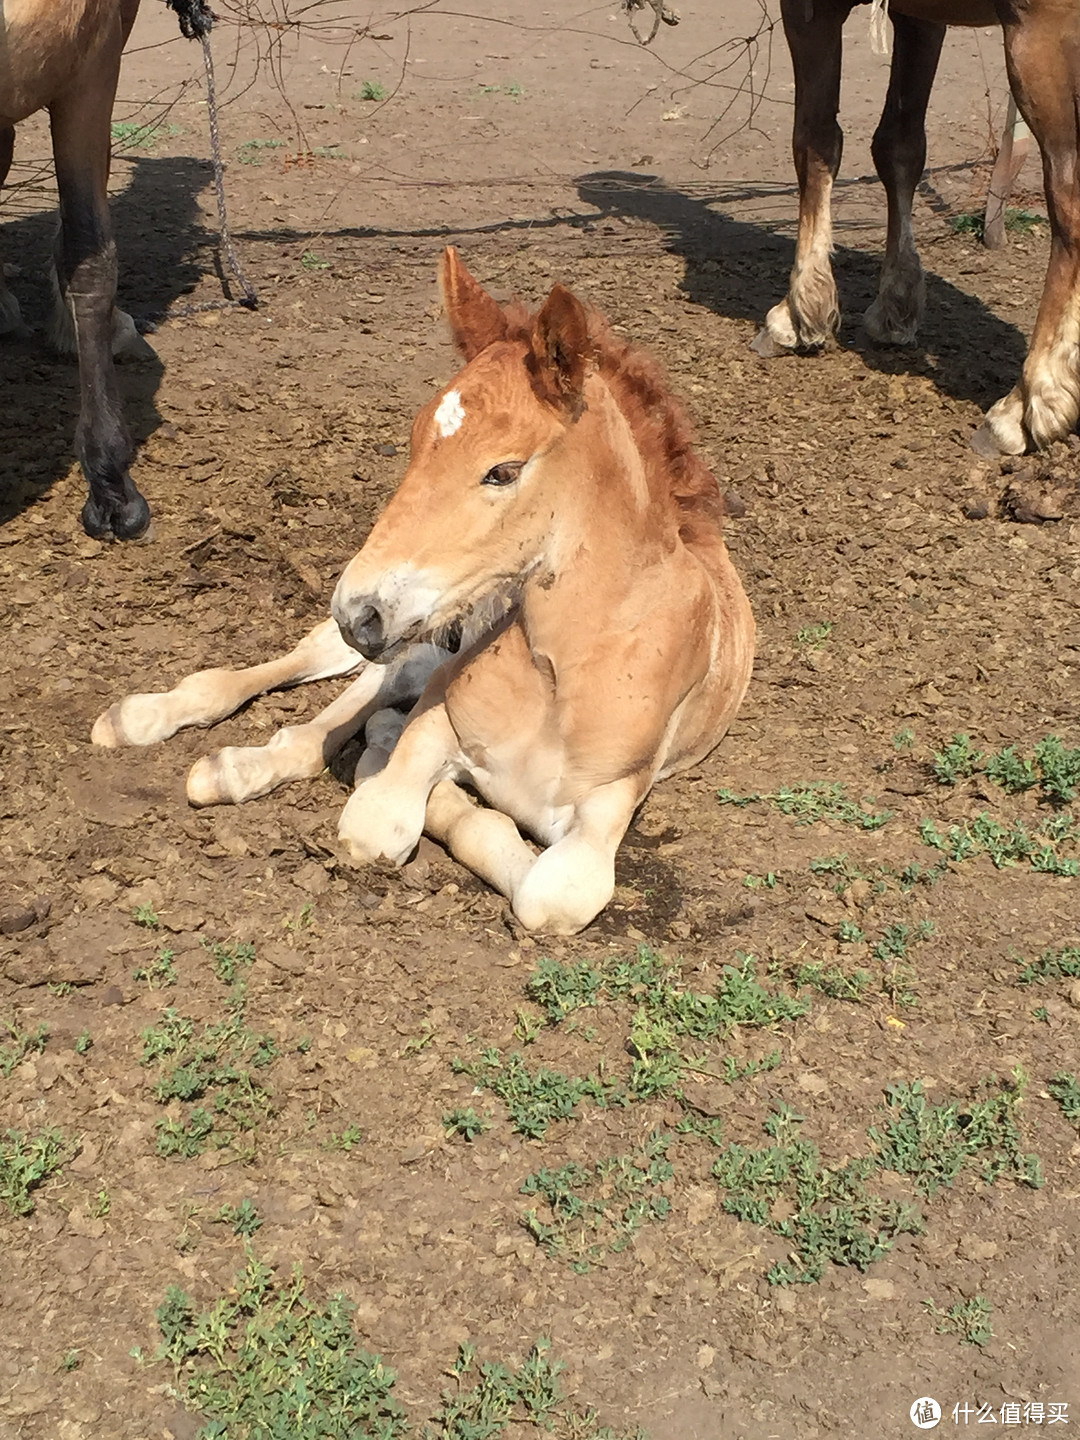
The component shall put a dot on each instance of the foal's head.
(473, 512)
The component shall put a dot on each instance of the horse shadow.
(739, 270)
(158, 233)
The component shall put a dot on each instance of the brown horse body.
(553, 503)
(1042, 50)
(64, 56)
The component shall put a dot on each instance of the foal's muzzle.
(363, 629)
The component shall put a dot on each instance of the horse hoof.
(768, 347)
(129, 520)
(204, 783)
(985, 443)
(108, 731)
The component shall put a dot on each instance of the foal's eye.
(504, 474)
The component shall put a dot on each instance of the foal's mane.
(658, 421)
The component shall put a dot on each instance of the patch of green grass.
(1065, 1088)
(372, 90)
(146, 916)
(895, 939)
(594, 1210)
(528, 1395)
(934, 1143)
(265, 1361)
(822, 1213)
(251, 152)
(310, 261)
(70, 1360)
(244, 1218)
(761, 882)
(231, 962)
(1008, 845)
(807, 804)
(27, 1162)
(465, 1122)
(215, 1068)
(21, 1044)
(536, 1100)
(160, 972)
(129, 135)
(1053, 767)
(1051, 965)
(969, 1319)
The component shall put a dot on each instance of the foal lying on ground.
(553, 511)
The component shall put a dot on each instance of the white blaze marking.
(450, 414)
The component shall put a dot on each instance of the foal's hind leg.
(208, 696)
(809, 314)
(298, 752)
(899, 151)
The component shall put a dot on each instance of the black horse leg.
(86, 266)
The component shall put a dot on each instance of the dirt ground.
(546, 147)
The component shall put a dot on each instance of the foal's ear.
(561, 350)
(476, 320)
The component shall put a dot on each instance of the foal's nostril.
(364, 632)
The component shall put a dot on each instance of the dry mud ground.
(268, 442)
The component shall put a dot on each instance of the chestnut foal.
(1042, 52)
(553, 510)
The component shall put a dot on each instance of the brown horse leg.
(87, 267)
(1042, 49)
(899, 151)
(809, 314)
(10, 317)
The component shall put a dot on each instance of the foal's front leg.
(208, 696)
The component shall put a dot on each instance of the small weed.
(160, 972)
(813, 637)
(1066, 1091)
(347, 1141)
(1007, 846)
(328, 152)
(528, 1028)
(70, 1360)
(807, 804)
(1023, 222)
(761, 882)
(896, 938)
(83, 1042)
(102, 1206)
(145, 916)
(264, 1360)
(416, 1043)
(968, 223)
(848, 933)
(310, 261)
(596, 1209)
(1041, 1013)
(837, 984)
(1051, 965)
(904, 740)
(969, 1319)
(60, 988)
(372, 90)
(243, 1218)
(465, 1122)
(561, 989)
(232, 962)
(22, 1044)
(957, 761)
(934, 1143)
(1011, 771)
(251, 151)
(513, 90)
(302, 920)
(27, 1162)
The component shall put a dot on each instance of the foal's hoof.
(768, 347)
(129, 520)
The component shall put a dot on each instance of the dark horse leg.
(10, 318)
(86, 266)
(809, 314)
(1042, 50)
(899, 151)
